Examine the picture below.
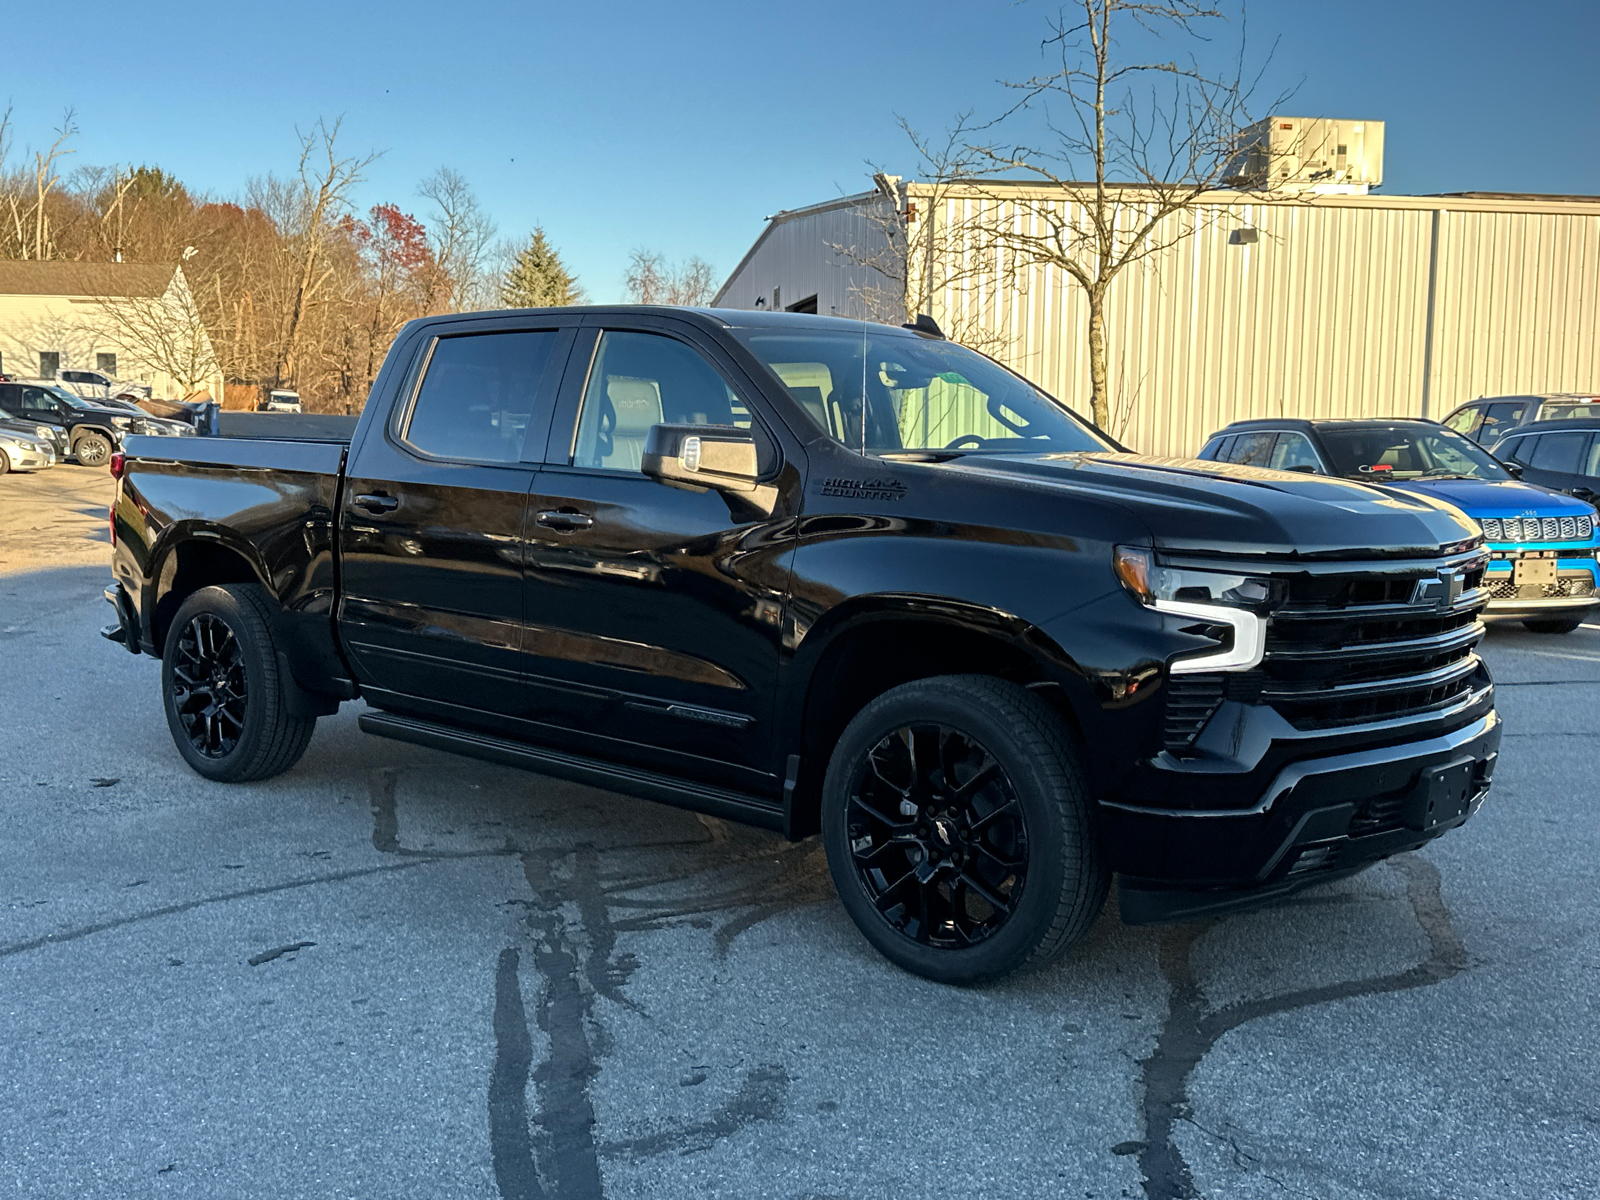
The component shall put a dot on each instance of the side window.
(1464, 421)
(1559, 452)
(1499, 420)
(644, 379)
(1252, 449)
(38, 400)
(480, 395)
(1517, 449)
(1215, 449)
(1591, 460)
(1294, 452)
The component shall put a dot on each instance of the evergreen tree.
(537, 278)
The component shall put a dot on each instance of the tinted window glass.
(1216, 448)
(1464, 421)
(481, 395)
(1559, 452)
(1375, 454)
(1252, 449)
(36, 399)
(1517, 449)
(645, 379)
(880, 391)
(1567, 410)
(1591, 463)
(1500, 419)
(1294, 452)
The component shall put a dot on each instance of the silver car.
(24, 451)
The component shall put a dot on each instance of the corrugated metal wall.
(1326, 314)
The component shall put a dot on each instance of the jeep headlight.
(1227, 607)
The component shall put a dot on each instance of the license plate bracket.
(1533, 570)
(1442, 794)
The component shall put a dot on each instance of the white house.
(133, 321)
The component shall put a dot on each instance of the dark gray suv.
(1489, 418)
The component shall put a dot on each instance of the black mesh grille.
(1190, 702)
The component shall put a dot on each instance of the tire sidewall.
(92, 437)
(1048, 835)
(221, 603)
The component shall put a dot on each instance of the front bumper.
(29, 456)
(1575, 591)
(1317, 820)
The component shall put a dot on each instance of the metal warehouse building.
(1311, 305)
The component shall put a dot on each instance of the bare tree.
(307, 211)
(27, 193)
(1153, 136)
(653, 280)
(462, 237)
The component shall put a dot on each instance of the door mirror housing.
(701, 457)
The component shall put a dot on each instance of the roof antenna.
(925, 324)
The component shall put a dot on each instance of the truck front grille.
(1349, 648)
(1538, 529)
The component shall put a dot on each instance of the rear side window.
(1252, 449)
(1465, 421)
(480, 394)
(1559, 452)
(1216, 450)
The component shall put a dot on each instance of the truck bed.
(287, 427)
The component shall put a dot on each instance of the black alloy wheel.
(210, 691)
(224, 690)
(960, 830)
(937, 835)
(92, 450)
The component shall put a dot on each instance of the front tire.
(1553, 624)
(92, 450)
(222, 690)
(5, 463)
(959, 829)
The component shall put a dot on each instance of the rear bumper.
(1318, 819)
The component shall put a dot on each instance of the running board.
(718, 802)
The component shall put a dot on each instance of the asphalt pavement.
(396, 973)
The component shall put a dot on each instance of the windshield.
(880, 391)
(71, 399)
(1408, 452)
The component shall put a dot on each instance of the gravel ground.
(392, 972)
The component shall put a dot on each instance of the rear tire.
(222, 689)
(5, 463)
(959, 829)
(1553, 624)
(92, 450)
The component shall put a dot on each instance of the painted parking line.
(1556, 654)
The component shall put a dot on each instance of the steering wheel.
(977, 442)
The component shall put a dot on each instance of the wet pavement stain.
(1190, 1031)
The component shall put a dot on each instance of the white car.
(279, 400)
(20, 451)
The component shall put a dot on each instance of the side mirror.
(701, 456)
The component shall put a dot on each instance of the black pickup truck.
(838, 578)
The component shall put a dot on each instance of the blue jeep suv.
(1542, 543)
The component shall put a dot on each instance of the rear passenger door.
(431, 528)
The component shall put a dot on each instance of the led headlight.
(1216, 598)
(122, 422)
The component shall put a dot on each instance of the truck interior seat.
(633, 406)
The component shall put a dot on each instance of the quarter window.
(1518, 450)
(645, 379)
(481, 395)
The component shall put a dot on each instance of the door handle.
(377, 502)
(563, 520)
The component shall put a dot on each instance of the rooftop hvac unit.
(1309, 154)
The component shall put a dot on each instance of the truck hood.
(1496, 497)
(1192, 505)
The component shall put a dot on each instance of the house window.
(49, 363)
(106, 364)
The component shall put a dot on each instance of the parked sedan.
(1542, 544)
(21, 451)
(1489, 418)
(54, 435)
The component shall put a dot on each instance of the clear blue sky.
(680, 126)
